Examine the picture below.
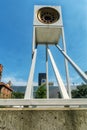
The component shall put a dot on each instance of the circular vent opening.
(48, 15)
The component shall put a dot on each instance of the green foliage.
(17, 95)
(41, 91)
(80, 92)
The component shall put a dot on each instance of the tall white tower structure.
(47, 29)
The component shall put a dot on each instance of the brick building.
(5, 90)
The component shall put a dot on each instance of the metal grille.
(48, 15)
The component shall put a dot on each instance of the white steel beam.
(66, 64)
(29, 88)
(34, 40)
(47, 72)
(62, 88)
(79, 71)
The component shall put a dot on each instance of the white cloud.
(21, 82)
(76, 79)
(15, 81)
(35, 84)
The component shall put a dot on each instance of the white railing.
(43, 102)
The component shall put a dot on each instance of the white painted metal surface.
(34, 41)
(38, 23)
(79, 71)
(29, 88)
(47, 34)
(58, 77)
(66, 64)
(47, 82)
(43, 102)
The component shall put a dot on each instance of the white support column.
(79, 71)
(34, 41)
(28, 92)
(62, 88)
(47, 85)
(66, 64)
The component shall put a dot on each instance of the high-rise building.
(41, 78)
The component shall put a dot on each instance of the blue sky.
(16, 27)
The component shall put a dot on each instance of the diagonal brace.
(79, 71)
(62, 88)
(28, 92)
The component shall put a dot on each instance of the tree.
(17, 95)
(41, 91)
(80, 91)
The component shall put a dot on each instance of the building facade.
(41, 78)
(5, 90)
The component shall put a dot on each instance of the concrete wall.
(43, 119)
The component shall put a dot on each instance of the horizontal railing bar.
(43, 102)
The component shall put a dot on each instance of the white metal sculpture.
(47, 29)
